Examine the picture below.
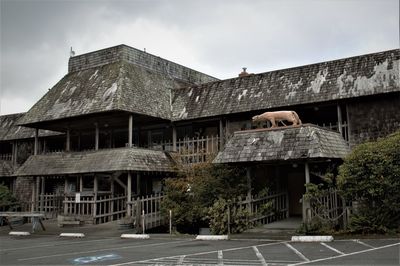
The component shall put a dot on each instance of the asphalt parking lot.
(53, 250)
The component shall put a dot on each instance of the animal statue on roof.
(278, 116)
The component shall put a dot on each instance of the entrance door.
(296, 190)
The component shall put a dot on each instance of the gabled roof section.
(283, 144)
(123, 159)
(339, 79)
(9, 130)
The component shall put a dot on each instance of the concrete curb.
(19, 234)
(135, 236)
(79, 235)
(212, 237)
(312, 238)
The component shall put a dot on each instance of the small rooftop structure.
(283, 144)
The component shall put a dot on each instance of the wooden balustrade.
(270, 208)
(150, 206)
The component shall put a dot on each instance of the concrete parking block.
(19, 233)
(78, 235)
(212, 237)
(135, 236)
(312, 238)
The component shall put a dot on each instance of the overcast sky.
(214, 37)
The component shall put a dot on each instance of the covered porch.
(94, 186)
(284, 159)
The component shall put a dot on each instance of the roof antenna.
(71, 52)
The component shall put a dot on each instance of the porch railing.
(147, 210)
(95, 208)
(267, 209)
(6, 157)
(330, 207)
(344, 128)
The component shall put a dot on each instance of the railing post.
(129, 195)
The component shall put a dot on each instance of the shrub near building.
(370, 175)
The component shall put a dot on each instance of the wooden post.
(248, 175)
(65, 195)
(42, 188)
(348, 125)
(138, 192)
(37, 193)
(130, 131)
(68, 141)
(36, 147)
(174, 136)
(97, 135)
(221, 134)
(129, 194)
(95, 190)
(80, 183)
(340, 121)
(307, 172)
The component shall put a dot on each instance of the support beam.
(129, 195)
(36, 147)
(97, 135)
(37, 193)
(174, 138)
(42, 189)
(121, 184)
(339, 117)
(95, 184)
(68, 140)
(130, 131)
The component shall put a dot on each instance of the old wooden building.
(113, 127)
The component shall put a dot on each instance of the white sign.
(77, 197)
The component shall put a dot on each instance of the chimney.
(243, 73)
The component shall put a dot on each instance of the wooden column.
(33, 199)
(138, 192)
(65, 194)
(129, 194)
(248, 175)
(95, 190)
(42, 188)
(80, 183)
(37, 193)
(174, 136)
(307, 172)
(339, 117)
(97, 135)
(68, 140)
(14, 153)
(130, 131)
(221, 134)
(348, 125)
(36, 147)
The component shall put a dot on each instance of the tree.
(370, 175)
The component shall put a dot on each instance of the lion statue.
(277, 116)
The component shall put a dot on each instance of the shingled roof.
(122, 159)
(9, 130)
(118, 86)
(283, 144)
(345, 78)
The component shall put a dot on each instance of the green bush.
(218, 215)
(195, 189)
(370, 175)
(7, 201)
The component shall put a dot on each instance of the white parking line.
(196, 254)
(259, 256)
(220, 258)
(104, 249)
(346, 255)
(358, 241)
(297, 252)
(181, 259)
(332, 248)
